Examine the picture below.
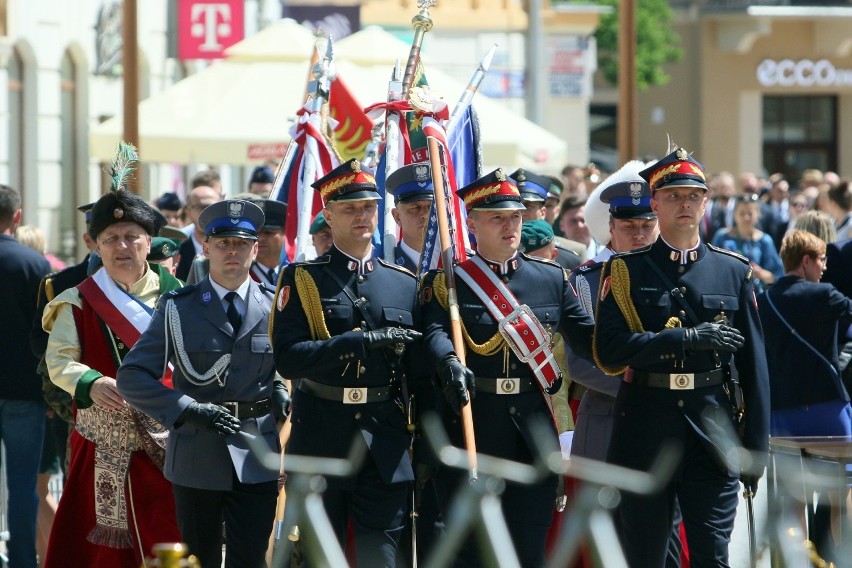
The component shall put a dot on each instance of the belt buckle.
(354, 395)
(508, 386)
(233, 408)
(682, 381)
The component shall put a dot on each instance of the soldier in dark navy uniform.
(226, 393)
(510, 394)
(341, 325)
(411, 187)
(672, 317)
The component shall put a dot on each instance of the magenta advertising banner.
(207, 27)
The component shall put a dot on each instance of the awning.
(238, 110)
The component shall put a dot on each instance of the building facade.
(762, 87)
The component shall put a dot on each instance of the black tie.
(233, 313)
(271, 275)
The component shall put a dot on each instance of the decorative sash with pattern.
(116, 433)
(518, 325)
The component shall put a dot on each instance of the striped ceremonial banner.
(461, 159)
(311, 145)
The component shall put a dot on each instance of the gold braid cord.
(673, 322)
(620, 290)
(311, 304)
(490, 347)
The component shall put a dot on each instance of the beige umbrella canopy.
(238, 110)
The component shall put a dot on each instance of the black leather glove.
(281, 401)
(210, 417)
(389, 336)
(712, 336)
(456, 382)
(749, 482)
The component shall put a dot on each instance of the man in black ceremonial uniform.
(341, 325)
(672, 316)
(510, 394)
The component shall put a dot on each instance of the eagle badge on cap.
(235, 211)
(356, 165)
(421, 173)
(500, 174)
(635, 193)
(682, 154)
(118, 213)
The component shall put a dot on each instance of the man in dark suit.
(838, 270)
(670, 317)
(21, 405)
(511, 395)
(197, 200)
(341, 324)
(411, 187)
(225, 393)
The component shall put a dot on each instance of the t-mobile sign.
(207, 27)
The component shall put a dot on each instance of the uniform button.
(362, 369)
(680, 403)
(361, 279)
(513, 410)
(680, 269)
(682, 314)
(341, 357)
(328, 312)
(352, 354)
(683, 290)
(357, 416)
(363, 299)
(662, 356)
(513, 366)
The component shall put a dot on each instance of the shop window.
(799, 132)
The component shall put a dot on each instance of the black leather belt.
(248, 409)
(504, 385)
(676, 381)
(346, 395)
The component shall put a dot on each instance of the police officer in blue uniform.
(535, 194)
(672, 317)
(509, 394)
(226, 392)
(411, 187)
(342, 323)
(632, 225)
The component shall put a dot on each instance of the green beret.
(318, 224)
(162, 248)
(536, 234)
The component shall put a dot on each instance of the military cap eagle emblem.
(421, 173)
(682, 154)
(635, 190)
(500, 174)
(235, 210)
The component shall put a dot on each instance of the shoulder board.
(588, 266)
(541, 260)
(736, 255)
(638, 251)
(395, 266)
(264, 287)
(181, 291)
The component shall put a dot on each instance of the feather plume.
(672, 145)
(123, 165)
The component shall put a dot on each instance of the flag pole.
(447, 259)
(391, 162)
(472, 86)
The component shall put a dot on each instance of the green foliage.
(656, 42)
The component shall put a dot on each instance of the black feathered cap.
(120, 205)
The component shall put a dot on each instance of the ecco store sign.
(802, 73)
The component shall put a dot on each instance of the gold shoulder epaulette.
(311, 303)
(736, 255)
(615, 280)
(395, 266)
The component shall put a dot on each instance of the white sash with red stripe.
(122, 314)
(524, 334)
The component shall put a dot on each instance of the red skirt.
(150, 512)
